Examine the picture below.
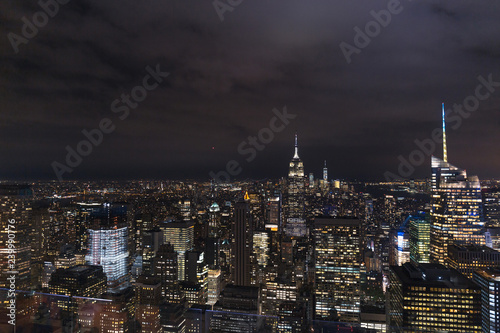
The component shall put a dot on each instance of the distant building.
(431, 297)
(295, 210)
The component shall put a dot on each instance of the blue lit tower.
(108, 245)
(456, 205)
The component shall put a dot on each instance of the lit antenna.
(296, 147)
(445, 151)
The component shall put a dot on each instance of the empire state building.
(295, 221)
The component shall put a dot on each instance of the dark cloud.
(226, 78)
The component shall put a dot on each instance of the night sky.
(226, 77)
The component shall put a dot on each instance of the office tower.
(325, 173)
(338, 264)
(468, 258)
(181, 236)
(118, 314)
(311, 180)
(197, 272)
(212, 250)
(165, 268)
(261, 247)
(456, 206)
(148, 298)
(489, 281)
(400, 246)
(214, 285)
(152, 239)
(65, 260)
(214, 217)
(81, 280)
(420, 227)
(491, 202)
(15, 228)
(236, 310)
(430, 298)
(193, 292)
(172, 318)
(39, 240)
(291, 317)
(108, 247)
(295, 210)
(242, 245)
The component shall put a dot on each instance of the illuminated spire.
(445, 151)
(296, 147)
(247, 197)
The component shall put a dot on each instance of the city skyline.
(359, 111)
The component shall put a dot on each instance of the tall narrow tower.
(325, 173)
(445, 150)
(456, 206)
(295, 196)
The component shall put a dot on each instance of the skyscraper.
(294, 214)
(338, 264)
(432, 298)
(108, 245)
(419, 226)
(489, 281)
(456, 206)
(242, 244)
(181, 236)
(325, 173)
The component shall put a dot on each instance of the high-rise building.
(489, 281)
(15, 229)
(152, 240)
(325, 173)
(214, 285)
(338, 268)
(236, 310)
(197, 272)
(468, 258)
(432, 298)
(295, 210)
(456, 206)
(81, 280)
(148, 298)
(261, 247)
(420, 228)
(491, 202)
(108, 245)
(165, 268)
(242, 245)
(181, 236)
